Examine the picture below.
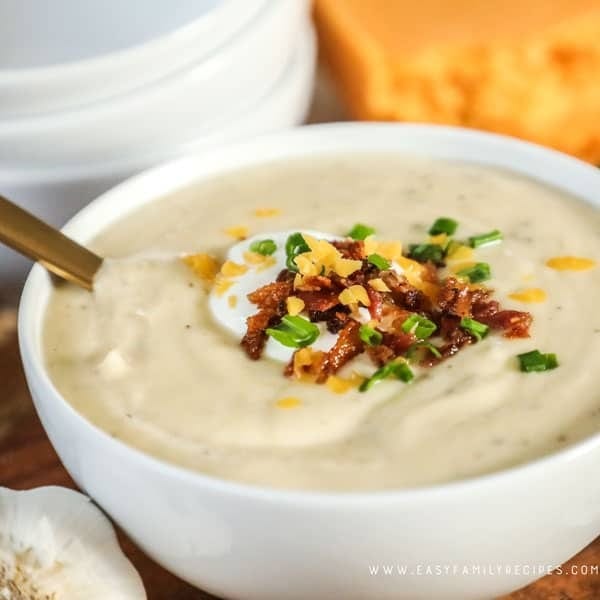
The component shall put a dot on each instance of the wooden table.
(28, 460)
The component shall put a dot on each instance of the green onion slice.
(360, 232)
(443, 225)
(264, 247)
(370, 336)
(379, 261)
(294, 245)
(426, 252)
(535, 361)
(414, 348)
(475, 328)
(421, 327)
(486, 239)
(400, 370)
(294, 332)
(477, 273)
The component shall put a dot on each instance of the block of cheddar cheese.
(527, 68)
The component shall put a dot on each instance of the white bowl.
(253, 543)
(174, 110)
(57, 194)
(65, 54)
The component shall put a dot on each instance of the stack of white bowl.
(93, 92)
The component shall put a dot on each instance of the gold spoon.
(35, 239)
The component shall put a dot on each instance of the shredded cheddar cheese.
(266, 264)
(529, 295)
(441, 239)
(379, 285)
(340, 385)
(294, 305)
(232, 269)
(232, 301)
(390, 250)
(570, 263)
(345, 266)
(222, 284)
(353, 295)
(288, 402)
(267, 212)
(254, 258)
(238, 232)
(204, 265)
(461, 253)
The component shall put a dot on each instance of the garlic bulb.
(55, 544)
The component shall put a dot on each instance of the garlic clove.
(56, 544)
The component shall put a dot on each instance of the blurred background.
(94, 92)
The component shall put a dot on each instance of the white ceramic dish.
(172, 111)
(57, 194)
(253, 543)
(64, 54)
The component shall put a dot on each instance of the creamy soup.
(144, 359)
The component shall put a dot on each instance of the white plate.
(65, 53)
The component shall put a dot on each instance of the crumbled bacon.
(347, 346)
(271, 301)
(352, 249)
(454, 300)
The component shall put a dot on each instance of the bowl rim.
(547, 165)
(161, 43)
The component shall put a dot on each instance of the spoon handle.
(35, 239)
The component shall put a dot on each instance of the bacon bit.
(347, 346)
(204, 265)
(319, 301)
(222, 284)
(313, 283)
(232, 269)
(267, 212)
(339, 385)
(529, 295)
(355, 294)
(295, 305)
(457, 298)
(351, 249)
(271, 295)
(232, 301)
(570, 263)
(514, 323)
(379, 285)
(289, 402)
(380, 355)
(271, 301)
(406, 295)
(376, 303)
(238, 232)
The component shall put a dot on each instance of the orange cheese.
(527, 69)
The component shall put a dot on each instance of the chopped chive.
(294, 245)
(370, 336)
(400, 370)
(426, 252)
(360, 232)
(421, 327)
(477, 273)
(443, 225)
(379, 261)
(475, 328)
(264, 247)
(414, 348)
(485, 239)
(535, 361)
(294, 332)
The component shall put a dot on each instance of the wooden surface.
(27, 460)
